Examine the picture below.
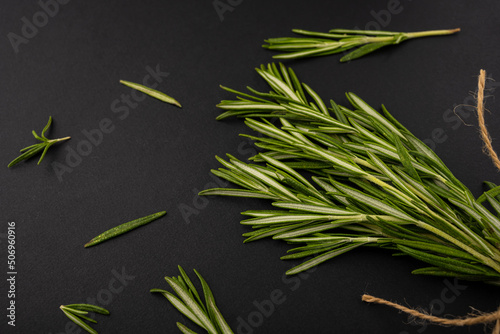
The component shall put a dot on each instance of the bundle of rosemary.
(374, 184)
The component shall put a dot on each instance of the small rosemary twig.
(204, 314)
(340, 40)
(34, 149)
(77, 312)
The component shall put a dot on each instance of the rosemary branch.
(341, 40)
(373, 184)
(204, 314)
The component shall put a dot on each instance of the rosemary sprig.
(340, 40)
(40, 147)
(152, 92)
(204, 314)
(124, 228)
(374, 184)
(78, 313)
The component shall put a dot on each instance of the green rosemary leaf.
(321, 258)
(182, 307)
(364, 50)
(36, 135)
(193, 306)
(236, 193)
(289, 218)
(124, 228)
(270, 231)
(88, 307)
(365, 107)
(190, 285)
(312, 252)
(44, 152)
(26, 155)
(215, 314)
(46, 128)
(32, 150)
(84, 317)
(324, 209)
(317, 228)
(74, 311)
(152, 92)
(494, 203)
(436, 248)
(435, 271)
(493, 192)
(344, 32)
(184, 329)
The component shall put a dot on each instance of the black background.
(159, 156)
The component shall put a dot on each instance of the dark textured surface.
(157, 157)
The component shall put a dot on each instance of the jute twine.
(485, 136)
(470, 320)
(485, 318)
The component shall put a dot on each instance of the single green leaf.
(152, 92)
(124, 228)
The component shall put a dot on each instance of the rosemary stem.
(432, 33)
(58, 139)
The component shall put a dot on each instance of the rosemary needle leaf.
(124, 228)
(74, 311)
(89, 307)
(152, 92)
(184, 329)
(32, 150)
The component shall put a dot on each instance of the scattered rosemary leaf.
(77, 313)
(123, 228)
(152, 92)
(34, 149)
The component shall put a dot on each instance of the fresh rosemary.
(374, 184)
(40, 147)
(78, 313)
(313, 44)
(152, 92)
(124, 228)
(204, 314)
